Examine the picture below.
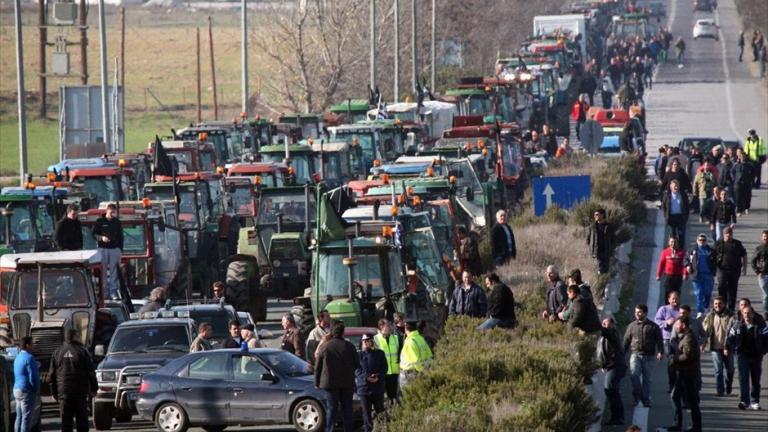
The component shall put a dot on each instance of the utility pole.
(213, 69)
(373, 44)
(120, 143)
(244, 37)
(104, 77)
(20, 93)
(434, 21)
(42, 46)
(122, 48)
(83, 15)
(414, 55)
(397, 51)
(197, 75)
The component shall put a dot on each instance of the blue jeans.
(336, 397)
(496, 322)
(613, 379)
(640, 368)
(719, 227)
(26, 404)
(702, 289)
(750, 367)
(762, 282)
(722, 381)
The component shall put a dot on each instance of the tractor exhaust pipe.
(40, 314)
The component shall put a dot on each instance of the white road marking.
(727, 72)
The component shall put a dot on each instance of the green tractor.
(28, 218)
(299, 158)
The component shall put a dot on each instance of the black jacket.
(69, 234)
(742, 172)
(501, 303)
(470, 302)
(728, 255)
(723, 212)
(610, 354)
(687, 355)
(600, 239)
(748, 341)
(372, 362)
(231, 342)
(584, 316)
(680, 176)
(72, 375)
(110, 228)
(760, 260)
(666, 204)
(643, 337)
(335, 365)
(499, 247)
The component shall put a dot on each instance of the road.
(713, 95)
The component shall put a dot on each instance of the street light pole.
(20, 93)
(244, 37)
(434, 21)
(414, 55)
(104, 78)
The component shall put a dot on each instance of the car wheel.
(170, 417)
(308, 416)
(102, 416)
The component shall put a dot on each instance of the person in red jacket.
(579, 113)
(671, 267)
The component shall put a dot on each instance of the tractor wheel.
(6, 338)
(238, 284)
(259, 307)
(180, 284)
(305, 320)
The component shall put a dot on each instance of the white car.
(706, 28)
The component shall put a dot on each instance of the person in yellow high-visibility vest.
(389, 342)
(755, 149)
(415, 356)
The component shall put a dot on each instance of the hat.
(366, 337)
(249, 327)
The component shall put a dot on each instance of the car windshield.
(22, 227)
(61, 288)
(134, 239)
(183, 160)
(104, 188)
(150, 338)
(286, 364)
(365, 140)
(291, 207)
(242, 200)
(421, 249)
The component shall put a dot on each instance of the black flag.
(162, 163)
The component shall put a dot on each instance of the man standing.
(741, 45)
(370, 381)
(680, 46)
(234, 340)
(292, 340)
(748, 338)
(556, 295)
(700, 266)
(643, 340)
(600, 240)
(716, 325)
(26, 387)
(676, 211)
(69, 233)
(73, 379)
(685, 360)
(703, 185)
(108, 233)
(665, 318)
(731, 260)
(415, 356)
(388, 342)
(579, 113)
(742, 172)
(606, 90)
(469, 252)
(582, 313)
(202, 341)
(219, 292)
(468, 298)
(502, 240)
(610, 356)
(723, 214)
(671, 267)
(335, 367)
(318, 334)
(550, 140)
(760, 267)
(754, 148)
(501, 305)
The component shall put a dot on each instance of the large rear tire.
(305, 320)
(238, 283)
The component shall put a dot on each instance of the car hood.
(119, 361)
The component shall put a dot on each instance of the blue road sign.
(565, 192)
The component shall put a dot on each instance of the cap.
(249, 327)
(366, 337)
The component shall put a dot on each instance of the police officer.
(754, 147)
(73, 379)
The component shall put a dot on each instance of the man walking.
(387, 341)
(369, 379)
(671, 267)
(731, 260)
(700, 266)
(501, 305)
(685, 360)
(579, 113)
(69, 233)
(468, 298)
(680, 47)
(760, 267)
(415, 356)
(723, 214)
(335, 367)
(73, 379)
(502, 240)
(754, 148)
(740, 43)
(665, 318)
(643, 340)
(202, 341)
(748, 338)
(26, 387)
(716, 325)
(600, 240)
(610, 356)
(676, 210)
(742, 172)
(108, 233)
(606, 90)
